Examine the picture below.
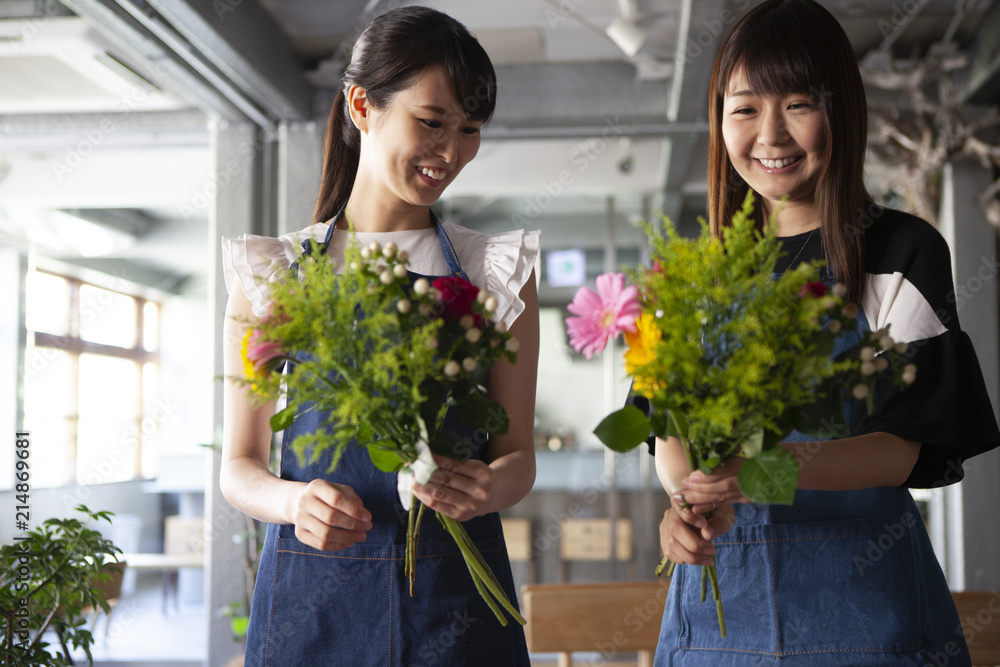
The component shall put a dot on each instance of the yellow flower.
(642, 350)
(642, 343)
(248, 369)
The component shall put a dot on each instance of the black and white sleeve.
(948, 408)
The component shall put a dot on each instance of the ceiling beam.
(153, 59)
(87, 131)
(25, 9)
(540, 94)
(616, 127)
(243, 42)
(701, 28)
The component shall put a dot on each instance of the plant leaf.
(240, 625)
(283, 419)
(365, 433)
(623, 429)
(480, 411)
(384, 456)
(448, 443)
(770, 477)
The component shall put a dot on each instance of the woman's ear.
(357, 104)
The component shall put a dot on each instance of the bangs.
(475, 82)
(779, 65)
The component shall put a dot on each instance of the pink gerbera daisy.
(603, 315)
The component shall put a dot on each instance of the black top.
(800, 248)
(910, 287)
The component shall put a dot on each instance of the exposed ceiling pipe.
(634, 130)
(184, 50)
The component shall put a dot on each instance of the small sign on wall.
(566, 268)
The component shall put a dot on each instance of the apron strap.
(450, 256)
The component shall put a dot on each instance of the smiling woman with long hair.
(332, 586)
(846, 575)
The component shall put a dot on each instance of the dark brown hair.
(797, 46)
(387, 57)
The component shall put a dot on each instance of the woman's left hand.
(705, 493)
(456, 489)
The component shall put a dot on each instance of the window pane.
(52, 461)
(106, 450)
(48, 304)
(107, 317)
(49, 383)
(109, 387)
(153, 417)
(150, 326)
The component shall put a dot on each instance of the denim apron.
(353, 607)
(838, 578)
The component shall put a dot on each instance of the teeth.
(777, 164)
(436, 175)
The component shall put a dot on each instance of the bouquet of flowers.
(732, 358)
(388, 360)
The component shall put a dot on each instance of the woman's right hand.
(687, 538)
(330, 517)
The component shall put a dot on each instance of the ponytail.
(341, 151)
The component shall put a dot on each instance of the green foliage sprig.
(733, 357)
(48, 579)
(387, 359)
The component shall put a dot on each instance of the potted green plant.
(49, 579)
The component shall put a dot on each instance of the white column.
(237, 151)
(300, 160)
(974, 533)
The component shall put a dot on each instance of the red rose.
(456, 296)
(816, 289)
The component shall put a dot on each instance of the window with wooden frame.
(90, 381)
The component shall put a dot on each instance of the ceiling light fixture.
(626, 35)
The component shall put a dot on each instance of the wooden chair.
(517, 535)
(590, 540)
(617, 617)
(625, 616)
(183, 536)
(979, 612)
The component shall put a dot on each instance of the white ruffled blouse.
(500, 263)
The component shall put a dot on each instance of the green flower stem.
(688, 451)
(708, 572)
(409, 558)
(415, 532)
(485, 594)
(474, 560)
(717, 594)
(413, 520)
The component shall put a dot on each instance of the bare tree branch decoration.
(910, 142)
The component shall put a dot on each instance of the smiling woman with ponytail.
(332, 588)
